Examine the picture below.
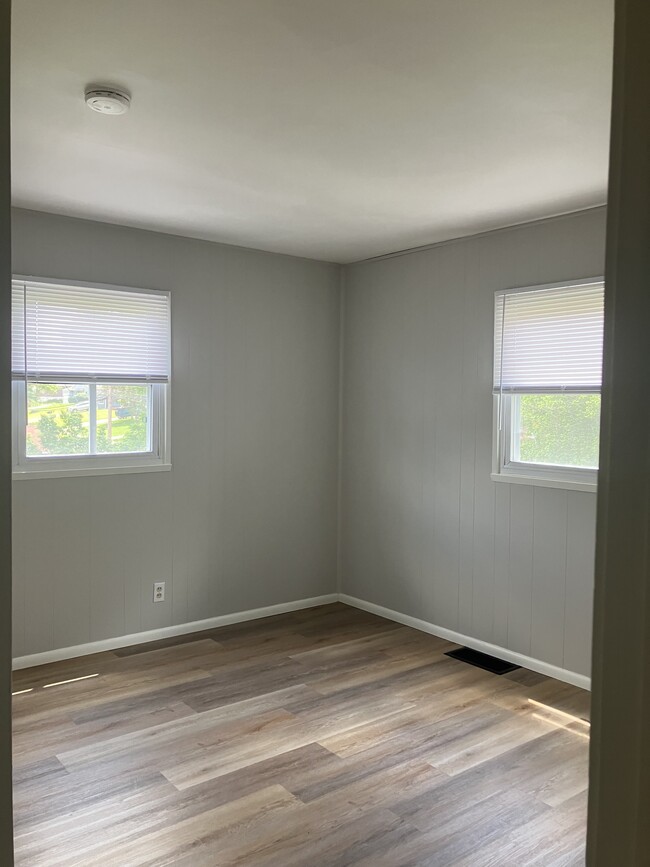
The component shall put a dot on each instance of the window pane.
(558, 429)
(57, 419)
(123, 418)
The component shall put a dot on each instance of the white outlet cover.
(159, 591)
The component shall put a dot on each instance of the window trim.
(156, 460)
(523, 473)
(520, 472)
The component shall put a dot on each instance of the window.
(547, 379)
(91, 369)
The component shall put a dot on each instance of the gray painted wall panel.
(549, 575)
(247, 516)
(581, 544)
(501, 562)
(520, 572)
(424, 529)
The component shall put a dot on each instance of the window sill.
(26, 475)
(563, 484)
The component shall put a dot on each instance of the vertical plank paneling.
(421, 518)
(468, 283)
(501, 563)
(444, 361)
(193, 441)
(360, 464)
(147, 543)
(107, 565)
(56, 592)
(549, 575)
(249, 508)
(20, 576)
(484, 602)
(247, 515)
(391, 455)
(520, 572)
(416, 438)
(69, 562)
(39, 589)
(581, 545)
(181, 458)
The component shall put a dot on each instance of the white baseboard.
(168, 632)
(538, 665)
(546, 668)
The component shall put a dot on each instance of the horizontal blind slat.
(549, 339)
(89, 334)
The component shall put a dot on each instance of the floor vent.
(482, 660)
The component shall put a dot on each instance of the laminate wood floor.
(318, 738)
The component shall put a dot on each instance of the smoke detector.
(105, 100)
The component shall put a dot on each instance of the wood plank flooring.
(328, 738)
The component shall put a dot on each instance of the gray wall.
(424, 530)
(247, 516)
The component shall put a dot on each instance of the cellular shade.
(71, 333)
(549, 340)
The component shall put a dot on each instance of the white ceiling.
(333, 129)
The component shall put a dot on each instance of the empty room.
(306, 315)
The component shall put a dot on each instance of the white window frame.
(157, 458)
(504, 468)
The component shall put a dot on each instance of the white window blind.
(549, 339)
(73, 333)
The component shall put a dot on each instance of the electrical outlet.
(159, 591)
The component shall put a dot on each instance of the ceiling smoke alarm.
(105, 100)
